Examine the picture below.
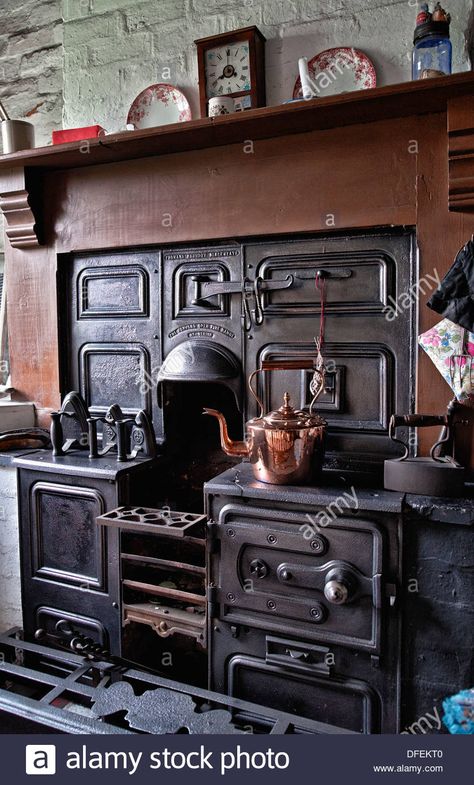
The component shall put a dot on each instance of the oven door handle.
(252, 312)
(297, 656)
(340, 581)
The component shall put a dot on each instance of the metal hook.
(258, 301)
(247, 316)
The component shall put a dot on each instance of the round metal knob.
(258, 568)
(336, 592)
(285, 575)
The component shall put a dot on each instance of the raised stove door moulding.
(83, 562)
(21, 226)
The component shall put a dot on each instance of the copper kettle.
(286, 446)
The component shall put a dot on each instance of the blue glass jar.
(433, 51)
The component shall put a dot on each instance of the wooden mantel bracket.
(461, 153)
(21, 226)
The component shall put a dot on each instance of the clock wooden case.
(232, 64)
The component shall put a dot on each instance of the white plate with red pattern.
(159, 104)
(339, 70)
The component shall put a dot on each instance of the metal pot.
(286, 446)
(17, 135)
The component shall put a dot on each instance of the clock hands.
(233, 71)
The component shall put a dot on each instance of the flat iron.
(437, 475)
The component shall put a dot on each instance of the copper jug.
(286, 446)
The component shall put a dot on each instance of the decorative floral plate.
(159, 104)
(339, 70)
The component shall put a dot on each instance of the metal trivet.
(153, 521)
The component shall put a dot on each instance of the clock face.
(227, 69)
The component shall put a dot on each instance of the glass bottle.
(432, 51)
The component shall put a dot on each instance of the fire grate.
(73, 694)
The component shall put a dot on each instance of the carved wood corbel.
(20, 221)
(461, 153)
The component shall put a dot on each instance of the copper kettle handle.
(280, 365)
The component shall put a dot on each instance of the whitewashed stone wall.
(10, 604)
(31, 65)
(31, 59)
(115, 48)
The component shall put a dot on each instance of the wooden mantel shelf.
(382, 103)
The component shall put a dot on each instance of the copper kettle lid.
(288, 418)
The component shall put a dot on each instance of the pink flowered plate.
(159, 104)
(340, 70)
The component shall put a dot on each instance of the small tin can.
(17, 135)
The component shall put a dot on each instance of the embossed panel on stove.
(350, 403)
(360, 281)
(189, 290)
(270, 575)
(116, 372)
(113, 292)
(110, 327)
(189, 314)
(78, 559)
(369, 355)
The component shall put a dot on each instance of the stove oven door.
(368, 334)
(304, 619)
(346, 703)
(322, 683)
(280, 570)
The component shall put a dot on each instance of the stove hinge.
(213, 600)
(391, 593)
(382, 592)
(213, 542)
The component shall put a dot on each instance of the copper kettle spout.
(228, 445)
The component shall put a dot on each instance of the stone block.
(106, 51)
(171, 38)
(74, 61)
(10, 607)
(36, 63)
(30, 16)
(77, 9)
(8, 484)
(141, 16)
(200, 8)
(9, 69)
(34, 40)
(81, 31)
(4, 39)
(51, 83)
(281, 12)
